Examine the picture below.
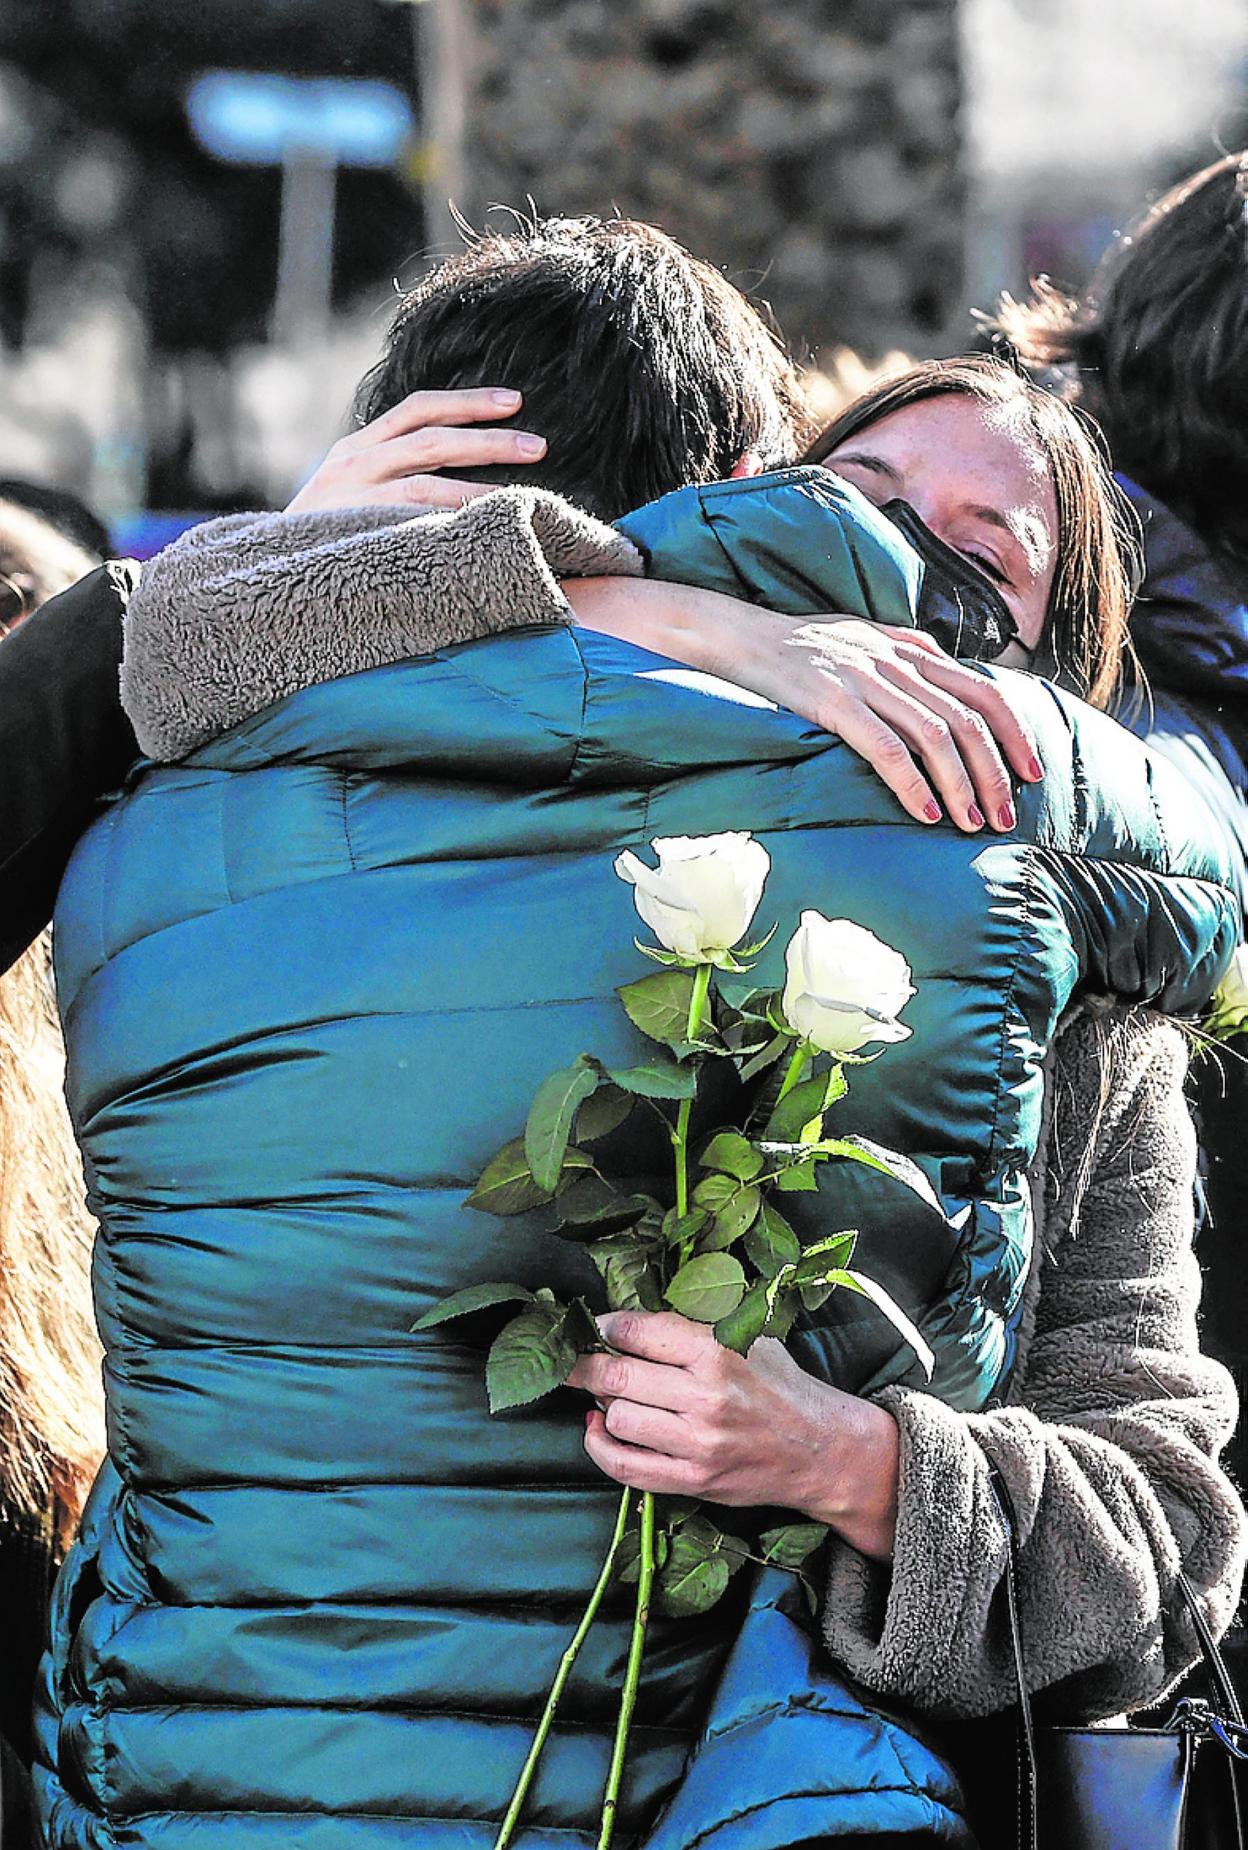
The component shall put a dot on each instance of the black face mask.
(958, 605)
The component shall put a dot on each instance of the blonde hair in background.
(51, 1399)
(843, 375)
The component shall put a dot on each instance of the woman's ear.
(748, 464)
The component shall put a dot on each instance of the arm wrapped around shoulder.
(246, 610)
(1109, 1443)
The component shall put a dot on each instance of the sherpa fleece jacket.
(1108, 1437)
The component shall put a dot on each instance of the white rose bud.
(845, 987)
(1230, 1004)
(700, 900)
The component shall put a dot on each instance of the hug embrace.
(354, 906)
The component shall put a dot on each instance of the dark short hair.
(644, 368)
(1097, 555)
(67, 512)
(1159, 348)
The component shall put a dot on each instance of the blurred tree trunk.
(814, 150)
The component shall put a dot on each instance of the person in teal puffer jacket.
(318, 1594)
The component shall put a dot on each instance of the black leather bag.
(1171, 1788)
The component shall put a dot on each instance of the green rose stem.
(680, 1136)
(796, 1068)
(632, 1675)
(512, 1817)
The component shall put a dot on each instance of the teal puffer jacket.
(310, 978)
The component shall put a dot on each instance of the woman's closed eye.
(986, 563)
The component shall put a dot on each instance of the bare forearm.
(689, 624)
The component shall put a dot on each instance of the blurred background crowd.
(204, 209)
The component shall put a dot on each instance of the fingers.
(659, 1336)
(441, 447)
(992, 702)
(616, 1377)
(475, 405)
(395, 459)
(987, 697)
(954, 744)
(649, 1427)
(635, 1466)
(886, 752)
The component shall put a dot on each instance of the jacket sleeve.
(358, 587)
(64, 742)
(1109, 1447)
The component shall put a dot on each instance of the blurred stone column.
(813, 148)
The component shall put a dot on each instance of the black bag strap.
(1028, 1780)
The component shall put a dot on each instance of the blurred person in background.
(51, 1399)
(1156, 350)
(37, 560)
(68, 515)
(283, 614)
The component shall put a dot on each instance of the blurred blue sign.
(261, 119)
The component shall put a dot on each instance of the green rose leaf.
(581, 1327)
(887, 1162)
(734, 1205)
(529, 1357)
(472, 1297)
(659, 1006)
(803, 1108)
(657, 1078)
(707, 1288)
(744, 1325)
(630, 1280)
(782, 1315)
(798, 1178)
(771, 1243)
(825, 1255)
(590, 1207)
(765, 1056)
(696, 1573)
(714, 1192)
(603, 1112)
(550, 1120)
(680, 1229)
(628, 1560)
(506, 1185)
(732, 1154)
(793, 1543)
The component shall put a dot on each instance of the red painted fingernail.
(1005, 816)
(975, 817)
(932, 811)
(1034, 768)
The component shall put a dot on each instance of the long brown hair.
(1097, 562)
(51, 1398)
(51, 1403)
(1158, 345)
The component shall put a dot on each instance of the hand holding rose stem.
(843, 988)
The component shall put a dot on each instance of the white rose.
(845, 987)
(1230, 1004)
(702, 896)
